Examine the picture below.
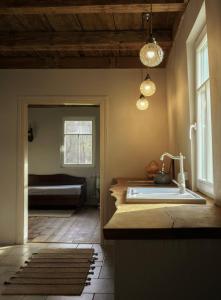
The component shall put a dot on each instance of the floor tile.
(98, 263)
(104, 286)
(106, 272)
(5, 277)
(31, 297)
(82, 297)
(5, 297)
(103, 297)
(97, 248)
(57, 245)
(96, 271)
(13, 260)
(4, 269)
(100, 257)
(83, 246)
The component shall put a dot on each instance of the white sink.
(161, 195)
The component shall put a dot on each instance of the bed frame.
(56, 201)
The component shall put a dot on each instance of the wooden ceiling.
(83, 33)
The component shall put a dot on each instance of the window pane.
(202, 63)
(204, 132)
(85, 149)
(204, 142)
(78, 149)
(78, 127)
(71, 149)
(209, 136)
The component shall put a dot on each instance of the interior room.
(110, 155)
(63, 180)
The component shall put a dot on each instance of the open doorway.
(99, 182)
(63, 174)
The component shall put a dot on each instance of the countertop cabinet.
(165, 251)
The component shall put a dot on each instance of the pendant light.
(147, 87)
(142, 103)
(151, 54)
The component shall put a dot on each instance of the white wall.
(44, 152)
(134, 137)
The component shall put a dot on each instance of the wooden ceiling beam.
(72, 63)
(78, 41)
(8, 7)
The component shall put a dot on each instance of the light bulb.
(147, 88)
(142, 103)
(151, 54)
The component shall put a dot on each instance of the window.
(78, 144)
(203, 117)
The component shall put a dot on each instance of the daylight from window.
(78, 142)
(204, 132)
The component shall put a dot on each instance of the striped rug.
(53, 272)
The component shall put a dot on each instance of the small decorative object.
(162, 178)
(142, 103)
(152, 169)
(30, 134)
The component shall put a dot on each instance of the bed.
(56, 191)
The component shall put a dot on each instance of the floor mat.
(53, 272)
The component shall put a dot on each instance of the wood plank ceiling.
(83, 33)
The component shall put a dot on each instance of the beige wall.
(178, 88)
(44, 152)
(180, 106)
(134, 137)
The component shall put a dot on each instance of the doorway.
(23, 180)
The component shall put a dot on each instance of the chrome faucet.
(181, 184)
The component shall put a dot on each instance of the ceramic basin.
(162, 195)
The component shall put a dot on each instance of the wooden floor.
(82, 227)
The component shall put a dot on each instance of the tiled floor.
(101, 288)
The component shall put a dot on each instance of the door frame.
(22, 153)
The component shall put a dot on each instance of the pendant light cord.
(151, 16)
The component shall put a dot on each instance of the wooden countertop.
(149, 221)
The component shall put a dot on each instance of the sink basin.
(162, 195)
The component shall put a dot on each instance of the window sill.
(78, 166)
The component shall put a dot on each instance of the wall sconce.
(30, 134)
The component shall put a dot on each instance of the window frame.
(70, 118)
(204, 186)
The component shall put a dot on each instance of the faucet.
(181, 184)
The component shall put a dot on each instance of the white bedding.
(55, 190)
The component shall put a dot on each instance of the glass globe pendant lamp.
(142, 103)
(147, 87)
(151, 54)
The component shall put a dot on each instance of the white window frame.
(203, 186)
(92, 165)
